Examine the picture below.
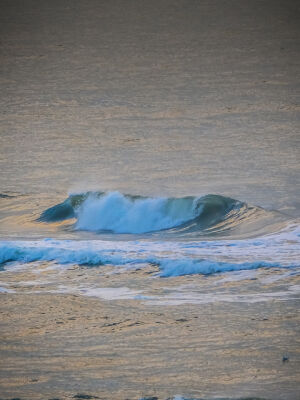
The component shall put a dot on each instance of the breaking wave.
(280, 249)
(26, 253)
(115, 212)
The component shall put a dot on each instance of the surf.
(119, 213)
(170, 257)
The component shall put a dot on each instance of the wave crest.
(119, 213)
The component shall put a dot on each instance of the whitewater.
(181, 236)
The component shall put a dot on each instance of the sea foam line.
(168, 265)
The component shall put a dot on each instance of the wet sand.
(59, 346)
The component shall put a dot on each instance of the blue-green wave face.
(64, 210)
(115, 212)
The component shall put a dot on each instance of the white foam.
(179, 297)
(110, 293)
(118, 213)
(173, 258)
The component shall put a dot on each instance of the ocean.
(149, 153)
(208, 234)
